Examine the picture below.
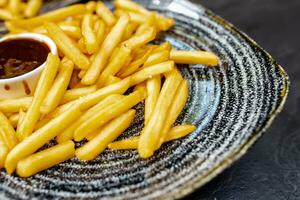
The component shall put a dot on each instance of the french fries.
(107, 114)
(109, 133)
(52, 16)
(65, 44)
(45, 159)
(153, 90)
(14, 105)
(105, 14)
(194, 57)
(111, 41)
(175, 133)
(89, 35)
(109, 65)
(57, 91)
(43, 86)
(150, 135)
(40, 137)
(7, 132)
(115, 65)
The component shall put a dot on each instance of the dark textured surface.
(271, 169)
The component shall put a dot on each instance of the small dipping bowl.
(24, 85)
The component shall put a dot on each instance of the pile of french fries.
(80, 94)
(17, 9)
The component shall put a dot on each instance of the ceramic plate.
(231, 105)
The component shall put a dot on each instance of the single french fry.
(194, 57)
(175, 109)
(100, 31)
(52, 16)
(150, 135)
(108, 113)
(3, 152)
(175, 133)
(109, 133)
(32, 8)
(14, 105)
(6, 15)
(68, 134)
(112, 80)
(89, 36)
(117, 62)
(149, 23)
(130, 29)
(41, 137)
(57, 91)
(91, 6)
(92, 99)
(45, 159)
(153, 89)
(70, 23)
(14, 7)
(142, 39)
(151, 71)
(130, 6)
(73, 94)
(43, 86)
(7, 132)
(164, 46)
(92, 135)
(164, 23)
(156, 58)
(21, 117)
(107, 47)
(13, 120)
(107, 16)
(66, 45)
(135, 65)
(71, 30)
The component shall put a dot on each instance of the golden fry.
(100, 31)
(142, 39)
(52, 16)
(45, 159)
(21, 117)
(150, 135)
(151, 71)
(68, 134)
(66, 45)
(14, 7)
(112, 80)
(109, 133)
(176, 108)
(107, 16)
(153, 90)
(76, 93)
(135, 65)
(32, 8)
(6, 15)
(3, 152)
(7, 132)
(14, 105)
(156, 58)
(100, 60)
(164, 46)
(130, 29)
(13, 120)
(117, 62)
(88, 34)
(3, 3)
(175, 133)
(91, 6)
(108, 113)
(130, 6)
(41, 137)
(194, 57)
(44, 84)
(71, 30)
(60, 84)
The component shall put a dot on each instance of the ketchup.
(20, 56)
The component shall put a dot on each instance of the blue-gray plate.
(231, 105)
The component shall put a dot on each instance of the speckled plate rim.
(186, 189)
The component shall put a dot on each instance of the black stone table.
(271, 168)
